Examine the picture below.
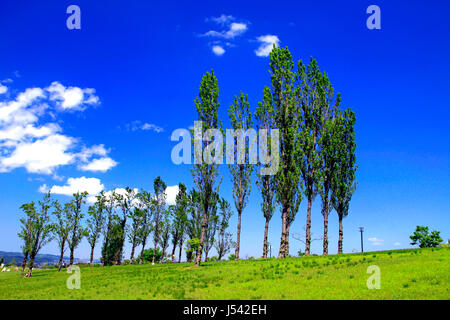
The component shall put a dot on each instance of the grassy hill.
(405, 274)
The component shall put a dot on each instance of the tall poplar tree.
(343, 181)
(241, 173)
(206, 174)
(179, 216)
(328, 147)
(265, 120)
(311, 83)
(77, 231)
(287, 179)
(159, 211)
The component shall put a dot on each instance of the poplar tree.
(126, 202)
(95, 223)
(206, 173)
(37, 229)
(109, 236)
(241, 173)
(224, 243)
(159, 211)
(147, 203)
(287, 179)
(137, 216)
(179, 216)
(62, 228)
(328, 147)
(312, 84)
(265, 120)
(77, 231)
(343, 183)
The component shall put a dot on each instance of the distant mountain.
(40, 258)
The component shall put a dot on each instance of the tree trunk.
(181, 248)
(198, 256)
(154, 251)
(308, 228)
(133, 247)
(24, 263)
(30, 268)
(325, 229)
(61, 257)
(238, 241)
(173, 251)
(72, 249)
(92, 255)
(286, 241)
(341, 235)
(266, 232)
(141, 260)
(281, 254)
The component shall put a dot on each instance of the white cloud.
(397, 244)
(218, 50)
(222, 20)
(138, 125)
(26, 140)
(40, 156)
(72, 97)
(235, 29)
(95, 150)
(375, 241)
(101, 165)
(266, 45)
(73, 185)
(3, 89)
(171, 194)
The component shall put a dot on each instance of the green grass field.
(405, 274)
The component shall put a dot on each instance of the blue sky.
(106, 99)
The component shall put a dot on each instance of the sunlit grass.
(405, 274)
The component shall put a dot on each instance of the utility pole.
(361, 229)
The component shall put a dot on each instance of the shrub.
(148, 255)
(425, 239)
(232, 257)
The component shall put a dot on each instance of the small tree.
(108, 238)
(224, 242)
(241, 172)
(425, 239)
(95, 223)
(159, 209)
(264, 117)
(37, 229)
(147, 203)
(191, 248)
(166, 229)
(62, 228)
(126, 202)
(212, 225)
(179, 216)
(137, 216)
(77, 232)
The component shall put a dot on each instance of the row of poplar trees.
(118, 216)
(316, 147)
